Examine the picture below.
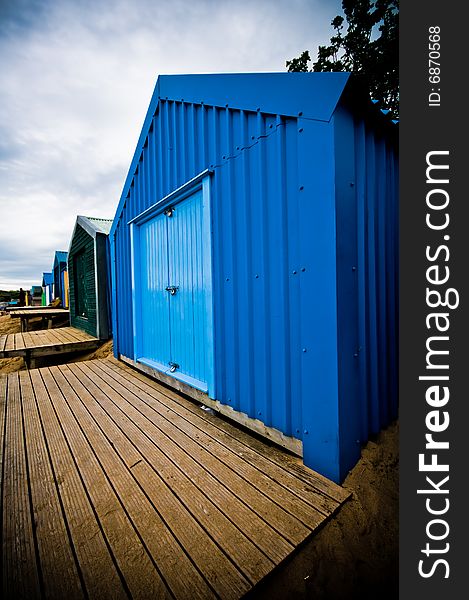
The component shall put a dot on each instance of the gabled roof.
(310, 95)
(47, 279)
(60, 257)
(315, 95)
(94, 225)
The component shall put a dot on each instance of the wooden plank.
(10, 342)
(238, 510)
(66, 335)
(46, 338)
(177, 570)
(39, 312)
(72, 334)
(165, 432)
(230, 437)
(44, 343)
(60, 573)
(274, 455)
(20, 569)
(3, 407)
(64, 348)
(3, 341)
(137, 569)
(311, 516)
(39, 338)
(81, 335)
(102, 580)
(56, 335)
(248, 558)
(29, 340)
(19, 342)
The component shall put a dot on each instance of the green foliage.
(368, 47)
(300, 64)
(6, 296)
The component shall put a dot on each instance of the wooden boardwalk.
(35, 344)
(47, 315)
(115, 487)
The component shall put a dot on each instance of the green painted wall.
(83, 242)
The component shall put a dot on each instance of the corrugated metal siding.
(83, 242)
(367, 262)
(254, 236)
(298, 329)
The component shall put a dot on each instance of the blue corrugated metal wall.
(304, 248)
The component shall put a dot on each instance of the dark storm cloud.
(75, 83)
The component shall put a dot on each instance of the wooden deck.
(34, 344)
(115, 487)
(47, 314)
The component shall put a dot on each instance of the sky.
(76, 78)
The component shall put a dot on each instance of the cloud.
(76, 79)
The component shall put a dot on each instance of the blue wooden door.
(154, 329)
(175, 295)
(187, 305)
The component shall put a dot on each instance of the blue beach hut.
(254, 256)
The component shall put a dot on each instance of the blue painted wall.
(304, 226)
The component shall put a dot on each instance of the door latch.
(173, 366)
(172, 289)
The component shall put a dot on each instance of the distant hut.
(88, 271)
(47, 288)
(60, 274)
(36, 295)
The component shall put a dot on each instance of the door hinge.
(173, 366)
(172, 289)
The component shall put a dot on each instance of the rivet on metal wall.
(227, 279)
(294, 272)
(257, 276)
(300, 130)
(303, 269)
(352, 184)
(305, 431)
(354, 268)
(304, 350)
(302, 187)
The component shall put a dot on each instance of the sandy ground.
(355, 554)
